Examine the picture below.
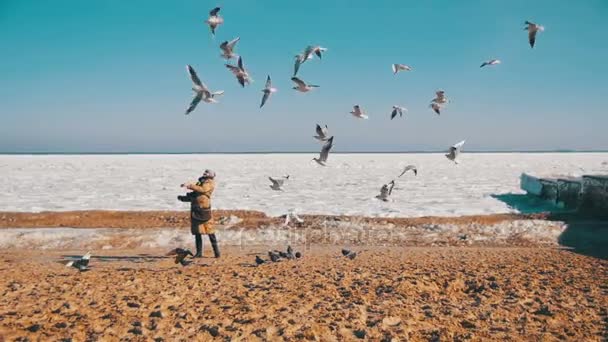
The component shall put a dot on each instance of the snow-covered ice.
(347, 186)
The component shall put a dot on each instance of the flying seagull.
(277, 183)
(409, 168)
(358, 113)
(308, 53)
(324, 152)
(239, 71)
(81, 264)
(180, 255)
(400, 67)
(454, 151)
(386, 191)
(214, 20)
(490, 62)
(227, 48)
(302, 86)
(201, 91)
(532, 29)
(398, 110)
(268, 90)
(322, 133)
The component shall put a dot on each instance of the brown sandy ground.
(398, 294)
(248, 219)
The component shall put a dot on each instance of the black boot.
(198, 239)
(216, 248)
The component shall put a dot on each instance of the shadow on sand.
(109, 258)
(585, 233)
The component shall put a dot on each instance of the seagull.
(454, 151)
(358, 113)
(292, 214)
(532, 29)
(201, 91)
(409, 168)
(81, 264)
(278, 183)
(268, 90)
(239, 71)
(400, 67)
(398, 110)
(214, 20)
(180, 255)
(440, 97)
(490, 62)
(324, 152)
(386, 191)
(321, 133)
(302, 86)
(308, 53)
(227, 48)
(259, 260)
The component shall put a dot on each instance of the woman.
(201, 220)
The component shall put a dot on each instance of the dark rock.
(544, 310)
(136, 324)
(133, 305)
(136, 331)
(212, 330)
(468, 325)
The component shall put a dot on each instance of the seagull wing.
(395, 68)
(240, 63)
(320, 131)
(276, 182)
(265, 98)
(197, 98)
(298, 81)
(325, 149)
(532, 35)
(224, 46)
(214, 12)
(458, 145)
(394, 113)
(297, 64)
(268, 82)
(194, 77)
(233, 42)
(392, 185)
(233, 69)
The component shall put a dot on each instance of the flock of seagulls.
(437, 104)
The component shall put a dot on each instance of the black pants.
(199, 245)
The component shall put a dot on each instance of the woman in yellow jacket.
(201, 220)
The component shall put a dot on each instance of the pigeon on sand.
(81, 264)
(180, 255)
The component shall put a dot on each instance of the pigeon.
(532, 29)
(268, 90)
(277, 184)
(81, 264)
(214, 20)
(321, 133)
(400, 67)
(227, 48)
(358, 113)
(180, 255)
(290, 254)
(349, 254)
(490, 62)
(301, 86)
(298, 255)
(386, 191)
(398, 110)
(324, 152)
(259, 260)
(454, 151)
(239, 71)
(409, 168)
(274, 257)
(201, 91)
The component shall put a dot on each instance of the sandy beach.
(495, 277)
(417, 294)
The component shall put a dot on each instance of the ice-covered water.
(347, 186)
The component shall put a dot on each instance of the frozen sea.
(347, 186)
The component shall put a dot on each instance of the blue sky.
(110, 75)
